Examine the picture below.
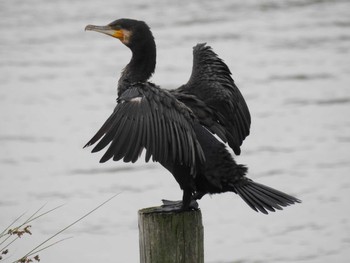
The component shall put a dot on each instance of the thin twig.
(25, 222)
(41, 249)
(2, 242)
(8, 243)
(4, 232)
(30, 219)
(49, 211)
(65, 228)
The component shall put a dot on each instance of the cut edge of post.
(170, 236)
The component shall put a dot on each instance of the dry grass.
(19, 229)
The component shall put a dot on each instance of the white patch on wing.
(136, 99)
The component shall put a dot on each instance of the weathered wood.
(171, 237)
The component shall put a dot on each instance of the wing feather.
(149, 118)
(130, 153)
(211, 83)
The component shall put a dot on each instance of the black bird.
(176, 128)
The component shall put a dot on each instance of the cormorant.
(176, 128)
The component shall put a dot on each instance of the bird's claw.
(176, 206)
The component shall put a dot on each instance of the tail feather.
(253, 201)
(265, 200)
(261, 197)
(246, 198)
(274, 194)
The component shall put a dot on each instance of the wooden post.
(171, 237)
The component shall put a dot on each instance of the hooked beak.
(108, 30)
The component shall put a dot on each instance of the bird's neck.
(140, 67)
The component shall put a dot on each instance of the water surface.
(58, 84)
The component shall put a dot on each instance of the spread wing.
(149, 118)
(211, 83)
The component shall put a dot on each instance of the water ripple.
(22, 138)
(301, 77)
(321, 102)
(113, 170)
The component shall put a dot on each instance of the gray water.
(58, 84)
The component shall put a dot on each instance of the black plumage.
(211, 83)
(176, 128)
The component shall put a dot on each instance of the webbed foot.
(175, 206)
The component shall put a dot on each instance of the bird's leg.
(188, 202)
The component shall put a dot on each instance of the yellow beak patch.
(118, 34)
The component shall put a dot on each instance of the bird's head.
(129, 31)
(137, 36)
